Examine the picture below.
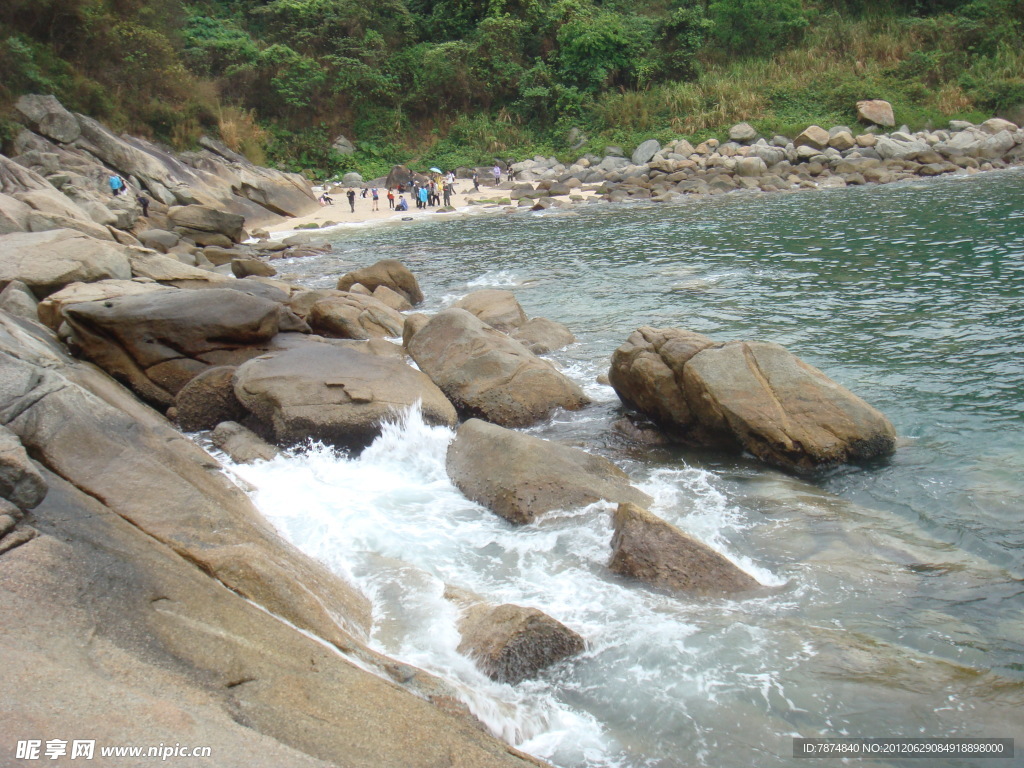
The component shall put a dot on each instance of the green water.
(899, 606)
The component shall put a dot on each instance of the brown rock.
(814, 137)
(194, 219)
(388, 272)
(157, 342)
(519, 476)
(243, 267)
(392, 298)
(208, 399)
(486, 374)
(355, 316)
(511, 643)
(51, 308)
(48, 261)
(332, 393)
(647, 548)
(243, 445)
(876, 111)
(499, 309)
(781, 409)
(646, 373)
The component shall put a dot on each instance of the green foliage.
(456, 82)
(757, 26)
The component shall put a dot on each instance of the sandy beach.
(465, 200)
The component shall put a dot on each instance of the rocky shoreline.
(147, 599)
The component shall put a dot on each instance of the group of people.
(437, 190)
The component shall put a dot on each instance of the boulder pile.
(817, 158)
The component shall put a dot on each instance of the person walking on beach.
(497, 174)
(391, 198)
(508, 166)
(447, 194)
(423, 197)
(476, 181)
(375, 194)
(351, 195)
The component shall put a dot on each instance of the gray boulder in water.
(752, 394)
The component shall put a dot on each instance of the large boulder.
(742, 132)
(519, 476)
(355, 316)
(489, 375)
(511, 643)
(157, 342)
(647, 373)
(388, 272)
(876, 111)
(647, 548)
(45, 115)
(498, 308)
(208, 399)
(643, 154)
(50, 310)
(752, 394)
(189, 220)
(814, 137)
(781, 409)
(337, 394)
(48, 261)
(243, 445)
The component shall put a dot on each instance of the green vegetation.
(451, 82)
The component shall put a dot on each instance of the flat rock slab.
(488, 375)
(48, 261)
(498, 308)
(157, 342)
(519, 476)
(647, 548)
(336, 394)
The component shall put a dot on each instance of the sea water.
(893, 601)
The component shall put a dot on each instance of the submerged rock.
(519, 476)
(647, 548)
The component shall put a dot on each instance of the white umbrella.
(436, 170)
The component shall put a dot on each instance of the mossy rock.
(310, 225)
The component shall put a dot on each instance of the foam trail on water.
(391, 522)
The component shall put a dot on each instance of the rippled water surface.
(894, 601)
